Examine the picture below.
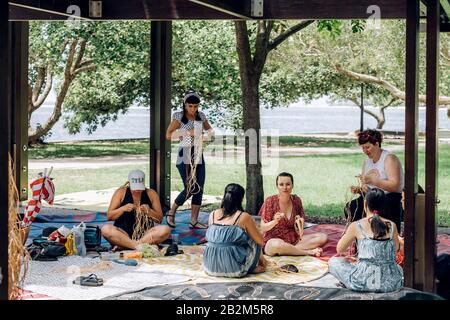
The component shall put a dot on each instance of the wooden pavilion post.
(431, 148)
(5, 135)
(160, 108)
(19, 96)
(411, 138)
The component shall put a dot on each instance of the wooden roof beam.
(216, 9)
(445, 5)
(238, 9)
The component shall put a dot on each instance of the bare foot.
(170, 218)
(317, 252)
(116, 248)
(259, 269)
(197, 225)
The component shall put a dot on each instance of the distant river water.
(315, 117)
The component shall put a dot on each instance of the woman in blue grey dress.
(377, 238)
(233, 247)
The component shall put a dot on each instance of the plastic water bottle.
(174, 238)
(109, 256)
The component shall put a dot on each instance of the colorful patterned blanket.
(53, 217)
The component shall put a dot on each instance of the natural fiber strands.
(17, 254)
(348, 199)
(143, 219)
(192, 186)
(143, 222)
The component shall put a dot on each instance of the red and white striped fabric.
(42, 189)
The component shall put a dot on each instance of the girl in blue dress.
(377, 239)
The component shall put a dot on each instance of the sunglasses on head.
(364, 135)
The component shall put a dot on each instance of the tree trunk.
(250, 71)
(37, 94)
(252, 128)
(381, 119)
(39, 132)
(250, 77)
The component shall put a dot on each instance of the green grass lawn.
(141, 147)
(322, 181)
(89, 149)
(314, 142)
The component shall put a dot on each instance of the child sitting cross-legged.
(377, 239)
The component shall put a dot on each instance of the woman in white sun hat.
(128, 199)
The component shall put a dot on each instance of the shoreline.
(444, 136)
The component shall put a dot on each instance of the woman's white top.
(195, 125)
(380, 167)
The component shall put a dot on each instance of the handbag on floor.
(42, 249)
(92, 237)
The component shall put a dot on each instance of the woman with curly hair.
(382, 170)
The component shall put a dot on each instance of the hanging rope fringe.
(192, 186)
(348, 200)
(143, 223)
(143, 220)
(18, 256)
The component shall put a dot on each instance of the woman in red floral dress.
(282, 220)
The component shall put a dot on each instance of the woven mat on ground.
(191, 264)
(186, 235)
(56, 217)
(263, 291)
(54, 279)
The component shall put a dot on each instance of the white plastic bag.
(78, 234)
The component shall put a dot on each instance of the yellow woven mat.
(191, 263)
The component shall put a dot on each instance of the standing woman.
(382, 170)
(191, 128)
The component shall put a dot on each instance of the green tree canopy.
(309, 65)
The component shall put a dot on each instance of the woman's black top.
(127, 220)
